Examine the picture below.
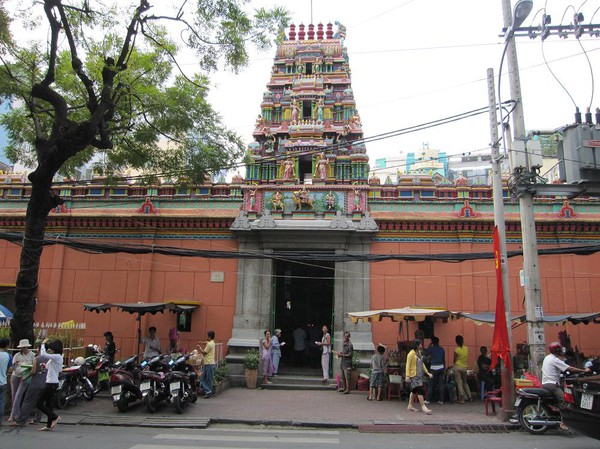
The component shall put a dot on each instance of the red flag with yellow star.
(501, 343)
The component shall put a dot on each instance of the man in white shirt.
(152, 344)
(553, 367)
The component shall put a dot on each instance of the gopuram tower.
(305, 190)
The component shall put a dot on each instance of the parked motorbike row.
(84, 379)
(159, 379)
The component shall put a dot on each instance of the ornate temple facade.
(286, 246)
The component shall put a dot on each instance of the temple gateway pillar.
(255, 292)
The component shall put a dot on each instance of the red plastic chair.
(491, 398)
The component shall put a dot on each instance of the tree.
(116, 95)
(5, 37)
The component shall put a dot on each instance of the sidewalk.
(293, 408)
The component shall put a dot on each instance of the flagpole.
(507, 376)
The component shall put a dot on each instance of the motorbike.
(125, 383)
(154, 385)
(74, 384)
(98, 372)
(182, 381)
(537, 409)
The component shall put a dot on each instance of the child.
(378, 364)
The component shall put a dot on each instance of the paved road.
(265, 437)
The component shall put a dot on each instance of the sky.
(416, 61)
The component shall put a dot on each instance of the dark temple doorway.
(303, 300)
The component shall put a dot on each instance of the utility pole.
(533, 296)
(507, 376)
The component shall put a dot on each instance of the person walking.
(325, 345)
(346, 363)
(208, 371)
(22, 363)
(461, 356)
(415, 368)
(53, 350)
(36, 379)
(266, 357)
(5, 364)
(437, 368)
(299, 336)
(276, 345)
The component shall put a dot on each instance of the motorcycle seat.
(71, 369)
(542, 392)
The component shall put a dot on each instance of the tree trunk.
(41, 202)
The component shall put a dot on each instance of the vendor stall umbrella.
(141, 308)
(5, 314)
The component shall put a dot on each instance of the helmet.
(79, 361)
(556, 348)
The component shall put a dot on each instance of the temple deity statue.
(341, 31)
(356, 200)
(295, 112)
(287, 168)
(277, 201)
(320, 106)
(252, 200)
(321, 167)
(302, 199)
(260, 121)
(330, 201)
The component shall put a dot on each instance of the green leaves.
(145, 114)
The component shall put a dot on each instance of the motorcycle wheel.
(531, 411)
(150, 405)
(123, 403)
(87, 389)
(97, 386)
(61, 398)
(179, 403)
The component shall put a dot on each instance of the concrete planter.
(225, 384)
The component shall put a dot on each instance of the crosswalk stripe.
(173, 446)
(267, 430)
(247, 438)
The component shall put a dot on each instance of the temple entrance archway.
(302, 299)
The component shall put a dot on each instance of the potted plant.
(251, 361)
(221, 377)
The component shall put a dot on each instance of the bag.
(395, 379)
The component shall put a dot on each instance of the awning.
(5, 314)
(142, 308)
(419, 314)
(404, 313)
(485, 317)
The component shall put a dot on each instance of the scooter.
(182, 380)
(98, 372)
(125, 383)
(537, 410)
(154, 385)
(73, 384)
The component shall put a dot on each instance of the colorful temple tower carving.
(309, 130)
